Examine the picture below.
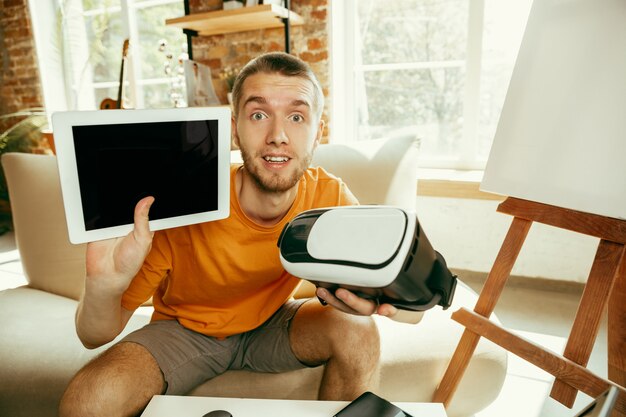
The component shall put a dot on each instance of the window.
(439, 68)
(83, 48)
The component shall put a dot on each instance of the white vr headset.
(378, 252)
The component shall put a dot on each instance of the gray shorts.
(187, 358)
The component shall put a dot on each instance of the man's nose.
(277, 134)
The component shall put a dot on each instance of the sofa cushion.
(50, 262)
(381, 171)
(40, 351)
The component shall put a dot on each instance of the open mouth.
(276, 159)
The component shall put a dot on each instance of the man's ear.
(320, 133)
(234, 133)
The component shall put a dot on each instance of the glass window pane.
(105, 43)
(157, 96)
(99, 4)
(429, 101)
(412, 30)
(152, 29)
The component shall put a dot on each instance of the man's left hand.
(351, 303)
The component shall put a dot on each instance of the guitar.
(109, 103)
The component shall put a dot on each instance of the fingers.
(387, 310)
(330, 299)
(349, 302)
(356, 303)
(142, 210)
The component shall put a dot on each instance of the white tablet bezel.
(63, 122)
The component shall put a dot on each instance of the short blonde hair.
(283, 64)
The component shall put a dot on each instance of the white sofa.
(39, 350)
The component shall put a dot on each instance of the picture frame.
(199, 85)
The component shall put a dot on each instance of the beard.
(272, 182)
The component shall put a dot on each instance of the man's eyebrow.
(255, 99)
(297, 103)
(262, 100)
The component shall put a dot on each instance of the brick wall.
(309, 42)
(20, 87)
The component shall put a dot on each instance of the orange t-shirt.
(225, 277)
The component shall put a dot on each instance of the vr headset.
(377, 252)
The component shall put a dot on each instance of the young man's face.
(277, 129)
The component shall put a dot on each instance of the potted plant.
(229, 75)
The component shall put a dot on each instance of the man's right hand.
(111, 266)
(112, 263)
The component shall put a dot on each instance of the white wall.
(469, 233)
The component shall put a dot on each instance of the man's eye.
(297, 118)
(258, 116)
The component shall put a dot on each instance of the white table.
(184, 406)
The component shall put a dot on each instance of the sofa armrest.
(50, 262)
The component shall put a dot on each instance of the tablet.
(110, 159)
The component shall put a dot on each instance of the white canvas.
(561, 139)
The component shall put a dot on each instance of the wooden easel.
(606, 285)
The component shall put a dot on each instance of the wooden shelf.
(239, 20)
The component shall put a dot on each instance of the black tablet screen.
(175, 162)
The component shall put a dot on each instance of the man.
(221, 298)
